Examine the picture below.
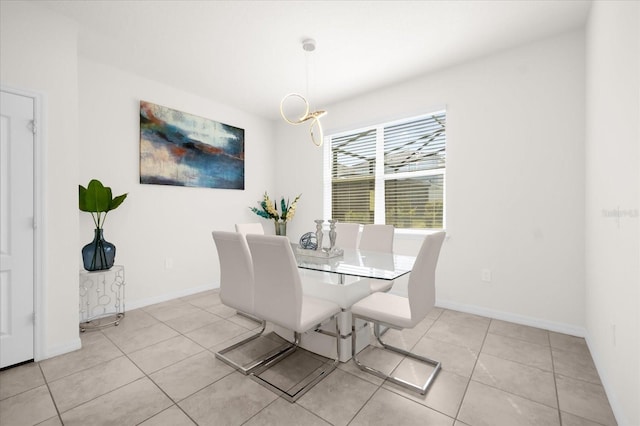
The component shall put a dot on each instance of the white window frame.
(380, 176)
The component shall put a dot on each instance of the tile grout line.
(555, 382)
(395, 391)
(86, 368)
(148, 375)
(145, 375)
(466, 389)
(377, 389)
(55, 405)
(367, 401)
(521, 339)
(516, 361)
(260, 411)
(205, 349)
(533, 367)
(275, 401)
(80, 371)
(175, 403)
(29, 389)
(106, 393)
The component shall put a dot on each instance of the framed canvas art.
(177, 148)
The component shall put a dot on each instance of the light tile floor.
(158, 368)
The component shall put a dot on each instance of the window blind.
(413, 157)
(353, 177)
(415, 202)
(415, 145)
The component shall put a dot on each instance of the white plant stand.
(101, 298)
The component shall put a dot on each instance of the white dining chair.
(237, 287)
(378, 238)
(244, 229)
(347, 235)
(279, 299)
(399, 312)
(250, 228)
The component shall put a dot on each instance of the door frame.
(39, 215)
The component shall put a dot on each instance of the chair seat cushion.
(387, 308)
(343, 295)
(314, 311)
(380, 285)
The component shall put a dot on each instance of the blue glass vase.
(98, 254)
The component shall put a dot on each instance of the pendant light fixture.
(317, 136)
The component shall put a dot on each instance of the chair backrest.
(377, 238)
(236, 271)
(422, 281)
(278, 288)
(250, 228)
(347, 235)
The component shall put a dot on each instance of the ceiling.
(248, 54)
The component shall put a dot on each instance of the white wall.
(515, 178)
(38, 53)
(92, 130)
(612, 182)
(515, 189)
(158, 222)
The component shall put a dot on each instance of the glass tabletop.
(359, 263)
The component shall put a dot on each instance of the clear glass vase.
(281, 228)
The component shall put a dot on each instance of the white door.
(16, 229)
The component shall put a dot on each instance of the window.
(391, 173)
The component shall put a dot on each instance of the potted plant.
(270, 211)
(97, 200)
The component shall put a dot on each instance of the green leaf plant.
(98, 200)
(270, 208)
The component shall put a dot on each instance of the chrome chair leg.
(246, 368)
(422, 389)
(249, 316)
(309, 382)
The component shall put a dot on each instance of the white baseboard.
(70, 346)
(572, 330)
(170, 296)
(614, 402)
(515, 318)
(76, 344)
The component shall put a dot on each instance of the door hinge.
(34, 127)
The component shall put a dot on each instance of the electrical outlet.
(168, 263)
(485, 275)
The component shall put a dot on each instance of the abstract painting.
(182, 149)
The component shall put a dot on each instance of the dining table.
(343, 277)
(355, 263)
